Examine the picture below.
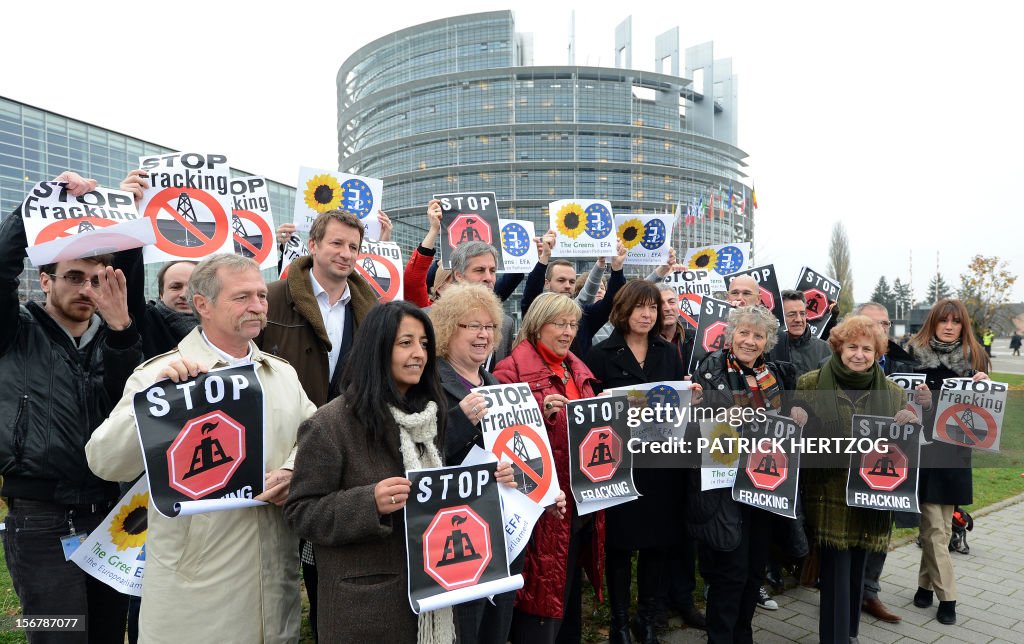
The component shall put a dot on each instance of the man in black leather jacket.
(62, 368)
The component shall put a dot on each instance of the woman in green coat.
(851, 382)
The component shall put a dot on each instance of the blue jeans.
(46, 584)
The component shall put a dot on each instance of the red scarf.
(559, 367)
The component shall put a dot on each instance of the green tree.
(839, 267)
(903, 298)
(985, 289)
(937, 290)
(883, 295)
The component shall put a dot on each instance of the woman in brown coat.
(349, 483)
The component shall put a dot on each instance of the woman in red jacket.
(550, 600)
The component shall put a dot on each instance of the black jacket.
(807, 352)
(897, 360)
(460, 434)
(54, 392)
(629, 526)
(945, 476)
(161, 328)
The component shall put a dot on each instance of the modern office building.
(456, 105)
(37, 145)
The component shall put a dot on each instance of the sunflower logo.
(637, 399)
(128, 529)
(631, 232)
(705, 259)
(323, 193)
(571, 220)
(723, 432)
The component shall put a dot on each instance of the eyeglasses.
(476, 327)
(885, 325)
(77, 279)
(562, 326)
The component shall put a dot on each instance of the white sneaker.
(765, 601)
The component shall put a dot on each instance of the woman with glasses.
(550, 602)
(467, 323)
(634, 354)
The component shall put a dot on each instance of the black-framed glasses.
(476, 327)
(77, 279)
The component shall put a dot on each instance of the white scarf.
(416, 443)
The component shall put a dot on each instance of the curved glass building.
(455, 105)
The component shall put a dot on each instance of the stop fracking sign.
(768, 474)
(886, 477)
(455, 543)
(600, 463)
(202, 441)
(466, 217)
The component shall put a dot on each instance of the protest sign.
(252, 223)
(718, 260)
(710, 329)
(466, 217)
(768, 290)
(60, 226)
(647, 238)
(294, 248)
(600, 465)
(584, 227)
(115, 552)
(189, 205)
(321, 190)
(513, 429)
(656, 409)
(518, 513)
(909, 381)
(884, 478)
(970, 414)
(768, 475)
(820, 292)
(454, 540)
(380, 264)
(518, 251)
(202, 441)
(718, 461)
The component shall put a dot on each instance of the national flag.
(753, 196)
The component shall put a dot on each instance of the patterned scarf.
(951, 355)
(416, 436)
(767, 394)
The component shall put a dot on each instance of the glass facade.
(449, 106)
(37, 145)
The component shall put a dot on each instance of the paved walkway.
(990, 581)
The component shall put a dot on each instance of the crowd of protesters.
(359, 392)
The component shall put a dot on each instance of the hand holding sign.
(77, 185)
(276, 485)
(136, 183)
(391, 494)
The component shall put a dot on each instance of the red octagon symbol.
(600, 454)
(767, 469)
(456, 547)
(767, 299)
(468, 227)
(206, 453)
(817, 304)
(884, 471)
(714, 337)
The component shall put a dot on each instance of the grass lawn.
(996, 477)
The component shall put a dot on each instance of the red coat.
(416, 279)
(545, 568)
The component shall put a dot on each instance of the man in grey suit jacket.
(477, 262)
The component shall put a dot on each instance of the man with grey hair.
(797, 344)
(237, 567)
(476, 262)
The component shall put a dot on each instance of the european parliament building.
(456, 105)
(37, 145)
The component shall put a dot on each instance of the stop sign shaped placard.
(767, 299)
(468, 227)
(206, 453)
(456, 547)
(767, 469)
(884, 471)
(600, 454)
(817, 304)
(714, 337)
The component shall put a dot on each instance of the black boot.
(947, 613)
(619, 573)
(645, 630)
(923, 598)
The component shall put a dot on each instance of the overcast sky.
(900, 119)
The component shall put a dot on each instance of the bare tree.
(839, 267)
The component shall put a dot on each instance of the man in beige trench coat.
(232, 575)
